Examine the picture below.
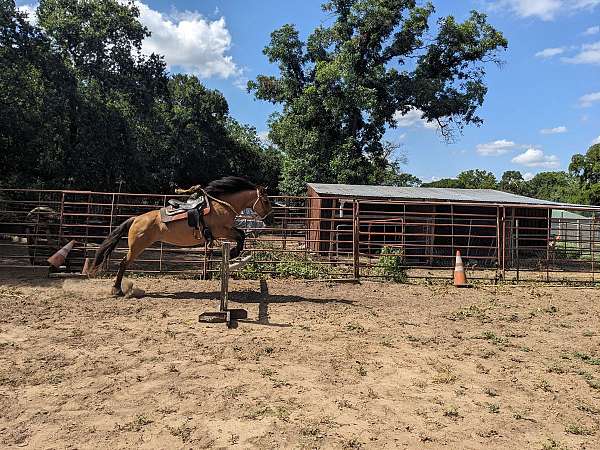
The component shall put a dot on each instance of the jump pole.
(226, 315)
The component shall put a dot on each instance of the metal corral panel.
(432, 194)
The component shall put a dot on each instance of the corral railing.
(321, 238)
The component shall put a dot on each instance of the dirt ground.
(317, 365)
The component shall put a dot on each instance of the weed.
(494, 408)
(353, 443)
(544, 386)
(344, 404)
(491, 392)
(588, 409)
(267, 373)
(234, 439)
(578, 430)
(390, 265)
(587, 358)
(487, 434)
(372, 394)
(551, 444)
(139, 422)
(233, 392)
(173, 368)
(451, 412)
(182, 431)
(555, 369)
(444, 375)
(356, 327)
(490, 336)
(361, 370)
(481, 368)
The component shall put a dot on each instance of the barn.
(492, 229)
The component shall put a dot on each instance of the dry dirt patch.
(318, 365)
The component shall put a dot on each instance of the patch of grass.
(353, 443)
(183, 432)
(472, 311)
(555, 369)
(139, 422)
(451, 412)
(355, 327)
(578, 430)
(551, 444)
(587, 358)
(588, 409)
(491, 336)
(444, 375)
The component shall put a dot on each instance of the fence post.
(356, 238)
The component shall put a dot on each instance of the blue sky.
(543, 105)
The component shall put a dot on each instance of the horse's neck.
(240, 200)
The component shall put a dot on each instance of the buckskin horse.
(222, 200)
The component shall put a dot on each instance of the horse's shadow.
(263, 298)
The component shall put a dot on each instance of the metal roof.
(433, 194)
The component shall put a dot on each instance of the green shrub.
(390, 265)
(284, 265)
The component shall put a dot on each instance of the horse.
(226, 198)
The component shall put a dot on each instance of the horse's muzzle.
(269, 219)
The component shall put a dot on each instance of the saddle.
(194, 209)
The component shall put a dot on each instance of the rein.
(223, 202)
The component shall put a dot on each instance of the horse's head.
(262, 206)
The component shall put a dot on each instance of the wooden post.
(356, 238)
(225, 276)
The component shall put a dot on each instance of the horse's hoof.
(117, 292)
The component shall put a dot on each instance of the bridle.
(260, 196)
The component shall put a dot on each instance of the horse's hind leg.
(135, 249)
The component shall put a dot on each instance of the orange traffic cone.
(59, 257)
(86, 266)
(460, 279)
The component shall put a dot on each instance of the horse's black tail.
(109, 244)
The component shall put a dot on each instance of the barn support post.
(503, 243)
(593, 244)
(356, 238)
(549, 225)
(517, 247)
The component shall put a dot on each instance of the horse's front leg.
(240, 237)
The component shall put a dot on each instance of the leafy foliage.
(391, 266)
(342, 87)
(81, 107)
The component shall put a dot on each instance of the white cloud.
(555, 130)
(412, 118)
(30, 10)
(596, 141)
(589, 54)
(592, 31)
(495, 148)
(588, 100)
(527, 176)
(188, 40)
(544, 9)
(534, 157)
(550, 52)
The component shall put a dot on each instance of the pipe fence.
(327, 237)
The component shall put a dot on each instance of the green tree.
(512, 181)
(555, 186)
(587, 169)
(477, 179)
(444, 183)
(341, 88)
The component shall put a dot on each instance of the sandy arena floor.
(317, 366)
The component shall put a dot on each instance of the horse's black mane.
(228, 185)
